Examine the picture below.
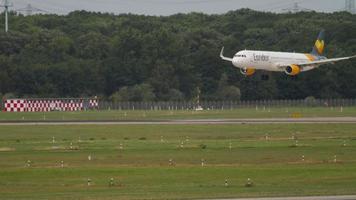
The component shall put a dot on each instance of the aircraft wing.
(325, 61)
(223, 57)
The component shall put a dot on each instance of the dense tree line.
(146, 58)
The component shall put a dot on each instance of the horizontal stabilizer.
(326, 61)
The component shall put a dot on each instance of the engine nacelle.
(248, 71)
(293, 70)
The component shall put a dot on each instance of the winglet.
(222, 52)
(223, 57)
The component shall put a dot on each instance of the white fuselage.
(271, 61)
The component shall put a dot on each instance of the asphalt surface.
(350, 197)
(319, 120)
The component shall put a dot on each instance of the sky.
(169, 7)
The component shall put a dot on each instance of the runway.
(349, 197)
(319, 120)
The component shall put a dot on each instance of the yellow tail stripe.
(319, 44)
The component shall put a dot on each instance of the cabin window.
(244, 56)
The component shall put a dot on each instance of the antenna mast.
(350, 6)
(6, 5)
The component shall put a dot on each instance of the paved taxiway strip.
(325, 120)
(350, 197)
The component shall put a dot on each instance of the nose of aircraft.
(236, 61)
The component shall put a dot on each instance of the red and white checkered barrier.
(93, 103)
(44, 105)
(15, 105)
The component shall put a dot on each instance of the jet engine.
(248, 71)
(293, 70)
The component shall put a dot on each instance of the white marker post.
(111, 182)
(335, 160)
(249, 183)
(62, 164)
(89, 157)
(53, 140)
(202, 162)
(29, 163)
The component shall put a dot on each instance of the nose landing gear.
(247, 71)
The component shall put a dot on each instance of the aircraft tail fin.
(319, 45)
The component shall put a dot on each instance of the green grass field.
(137, 157)
(261, 112)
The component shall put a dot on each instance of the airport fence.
(219, 105)
(224, 105)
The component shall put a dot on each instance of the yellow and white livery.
(290, 63)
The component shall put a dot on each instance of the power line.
(269, 5)
(45, 6)
(178, 1)
(6, 4)
(296, 8)
(288, 6)
(29, 10)
(144, 6)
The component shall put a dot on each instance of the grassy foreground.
(138, 158)
(260, 112)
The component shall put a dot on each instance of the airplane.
(291, 63)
